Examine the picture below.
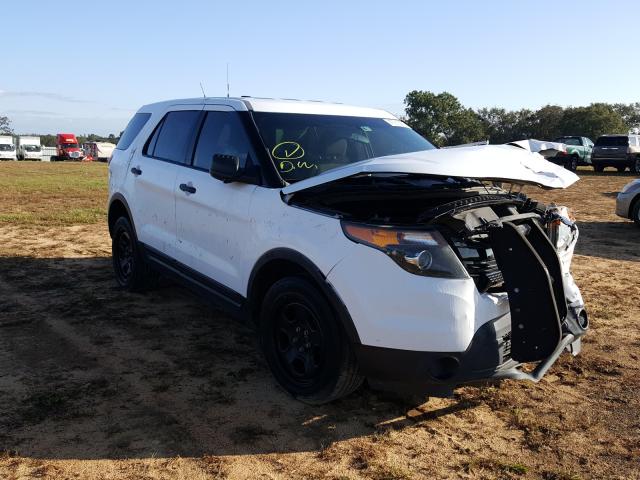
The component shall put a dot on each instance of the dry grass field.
(97, 383)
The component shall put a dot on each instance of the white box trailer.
(7, 148)
(29, 148)
(98, 150)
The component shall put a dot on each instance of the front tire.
(635, 166)
(131, 271)
(598, 167)
(304, 343)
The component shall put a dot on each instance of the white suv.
(357, 248)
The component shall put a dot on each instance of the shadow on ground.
(612, 240)
(88, 371)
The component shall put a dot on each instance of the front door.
(212, 217)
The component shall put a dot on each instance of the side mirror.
(225, 167)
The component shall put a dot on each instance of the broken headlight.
(421, 252)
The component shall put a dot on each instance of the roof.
(275, 105)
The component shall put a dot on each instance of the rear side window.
(133, 129)
(171, 138)
(222, 132)
(621, 141)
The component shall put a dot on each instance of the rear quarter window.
(133, 129)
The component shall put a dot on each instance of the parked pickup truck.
(578, 152)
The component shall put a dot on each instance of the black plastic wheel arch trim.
(317, 276)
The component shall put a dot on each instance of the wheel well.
(281, 263)
(270, 273)
(117, 209)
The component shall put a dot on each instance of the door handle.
(187, 188)
(136, 171)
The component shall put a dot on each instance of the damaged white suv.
(357, 248)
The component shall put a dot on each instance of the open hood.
(487, 162)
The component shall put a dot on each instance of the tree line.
(49, 140)
(445, 121)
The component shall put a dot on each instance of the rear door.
(212, 217)
(153, 172)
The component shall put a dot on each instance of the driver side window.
(223, 133)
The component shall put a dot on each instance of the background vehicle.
(29, 148)
(67, 148)
(628, 201)
(98, 150)
(577, 152)
(7, 148)
(619, 151)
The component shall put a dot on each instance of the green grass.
(52, 193)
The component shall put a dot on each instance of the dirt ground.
(98, 383)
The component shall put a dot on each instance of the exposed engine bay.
(506, 242)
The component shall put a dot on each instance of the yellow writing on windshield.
(289, 166)
(287, 151)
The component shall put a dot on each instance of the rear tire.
(131, 271)
(635, 167)
(572, 163)
(598, 167)
(621, 169)
(304, 343)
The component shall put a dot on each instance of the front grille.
(477, 257)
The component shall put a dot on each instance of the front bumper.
(488, 359)
(432, 335)
(623, 203)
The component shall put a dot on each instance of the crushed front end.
(511, 244)
(484, 285)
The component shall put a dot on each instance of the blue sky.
(87, 66)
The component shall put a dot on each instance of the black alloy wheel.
(130, 269)
(304, 343)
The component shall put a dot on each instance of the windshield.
(304, 145)
(6, 148)
(69, 145)
(568, 140)
(32, 148)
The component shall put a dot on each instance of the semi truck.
(29, 148)
(7, 148)
(67, 148)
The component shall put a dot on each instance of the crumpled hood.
(486, 162)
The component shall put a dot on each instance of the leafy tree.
(630, 113)
(5, 125)
(502, 126)
(48, 140)
(547, 122)
(592, 121)
(442, 118)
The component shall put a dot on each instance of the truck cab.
(67, 147)
(29, 148)
(7, 148)
(578, 152)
